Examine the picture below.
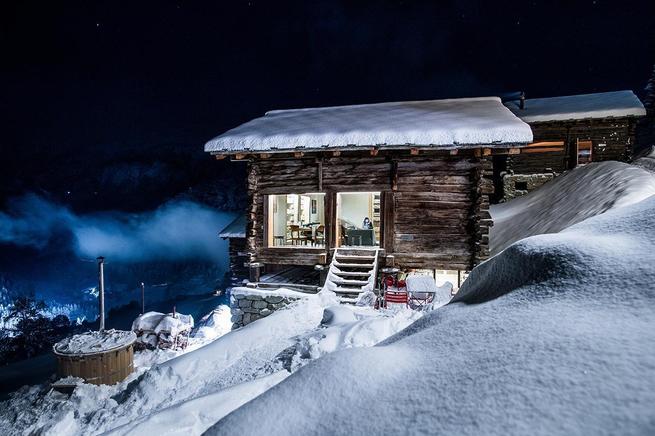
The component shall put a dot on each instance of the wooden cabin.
(409, 181)
(568, 131)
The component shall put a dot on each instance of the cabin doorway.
(358, 219)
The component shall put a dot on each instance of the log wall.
(435, 206)
(617, 135)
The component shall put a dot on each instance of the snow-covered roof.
(438, 123)
(578, 107)
(236, 229)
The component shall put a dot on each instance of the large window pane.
(296, 220)
(358, 219)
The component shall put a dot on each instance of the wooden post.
(101, 291)
(388, 221)
(320, 175)
(322, 274)
(394, 175)
(255, 271)
(330, 220)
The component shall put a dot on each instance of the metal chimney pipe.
(143, 298)
(522, 100)
(101, 291)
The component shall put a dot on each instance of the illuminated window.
(296, 220)
(358, 219)
(584, 152)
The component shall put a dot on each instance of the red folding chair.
(395, 297)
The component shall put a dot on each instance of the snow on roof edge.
(612, 104)
(444, 124)
(236, 228)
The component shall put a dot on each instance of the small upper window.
(296, 220)
(584, 152)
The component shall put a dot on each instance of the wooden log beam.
(394, 175)
(541, 149)
(298, 154)
(239, 156)
(374, 151)
(414, 151)
(453, 152)
(219, 156)
(264, 155)
(336, 153)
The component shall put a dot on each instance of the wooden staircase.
(352, 271)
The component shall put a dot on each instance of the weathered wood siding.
(617, 135)
(435, 206)
(238, 258)
(439, 205)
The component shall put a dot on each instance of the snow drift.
(568, 199)
(552, 336)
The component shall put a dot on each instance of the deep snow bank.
(570, 198)
(552, 336)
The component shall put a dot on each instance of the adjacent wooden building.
(568, 131)
(412, 180)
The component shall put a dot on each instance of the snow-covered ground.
(219, 372)
(552, 336)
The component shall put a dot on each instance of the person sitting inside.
(367, 224)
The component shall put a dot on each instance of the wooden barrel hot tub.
(100, 358)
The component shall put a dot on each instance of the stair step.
(354, 257)
(348, 300)
(354, 265)
(341, 281)
(347, 290)
(352, 274)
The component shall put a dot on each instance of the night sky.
(94, 85)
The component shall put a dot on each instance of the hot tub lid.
(94, 342)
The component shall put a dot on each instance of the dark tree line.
(28, 332)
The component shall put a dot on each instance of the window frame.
(269, 234)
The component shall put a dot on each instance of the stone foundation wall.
(516, 185)
(247, 308)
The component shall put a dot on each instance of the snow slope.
(552, 336)
(570, 198)
(463, 121)
(188, 393)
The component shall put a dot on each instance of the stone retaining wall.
(529, 182)
(247, 308)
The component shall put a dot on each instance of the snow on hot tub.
(98, 357)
